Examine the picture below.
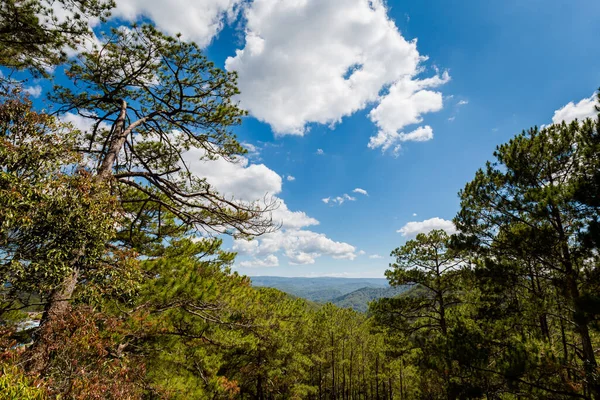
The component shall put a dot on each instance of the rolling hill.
(353, 293)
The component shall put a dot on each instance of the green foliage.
(55, 217)
(101, 228)
(35, 33)
(150, 99)
(516, 288)
(15, 385)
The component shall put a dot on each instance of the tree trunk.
(56, 309)
(59, 303)
(581, 320)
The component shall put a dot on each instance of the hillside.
(355, 293)
(359, 299)
(320, 289)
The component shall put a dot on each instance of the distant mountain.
(320, 289)
(353, 293)
(359, 299)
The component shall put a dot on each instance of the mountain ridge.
(355, 293)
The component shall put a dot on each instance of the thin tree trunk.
(55, 311)
(581, 322)
(59, 303)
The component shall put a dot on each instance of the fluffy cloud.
(242, 180)
(361, 191)
(405, 105)
(269, 261)
(290, 178)
(387, 139)
(81, 123)
(198, 20)
(414, 228)
(299, 246)
(248, 182)
(33, 91)
(586, 108)
(320, 152)
(339, 200)
(462, 103)
(292, 219)
(316, 61)
(253, 151)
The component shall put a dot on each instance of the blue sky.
(408, 122)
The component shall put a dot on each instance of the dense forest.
(108, 238)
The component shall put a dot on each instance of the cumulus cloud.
(299, 246)
(414, 228)
(290, 178)
(198, 20)
(33, 91)
(462, 103)
(291, 219)
(405, 105)
(320, 152)
(248, 182)
(317, 61)
(269, 261)
(253, 151)
(585, 108)
(242, 180)
(361, 191)
(385, 139)
(339, 200)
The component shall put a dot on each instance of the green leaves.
(153, 101)
(34, 37)
(55, 217)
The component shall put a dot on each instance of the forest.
(110, 240)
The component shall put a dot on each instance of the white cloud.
(198, 20)
(375, 256)
(585, 108)
(385, 140)
(290, 178)
(361, 191)
(404, 105)
(299, 246)
(320, 152)
(414, 214)
(249, 182)
(451, 119)
(292, 219)
(81, 123)
(339, 200)
(269, 261)
(253, 151)
(242, 180)
(361, 253)
(462, 103)
(33, 91)
(315, 61)
(414, 228)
